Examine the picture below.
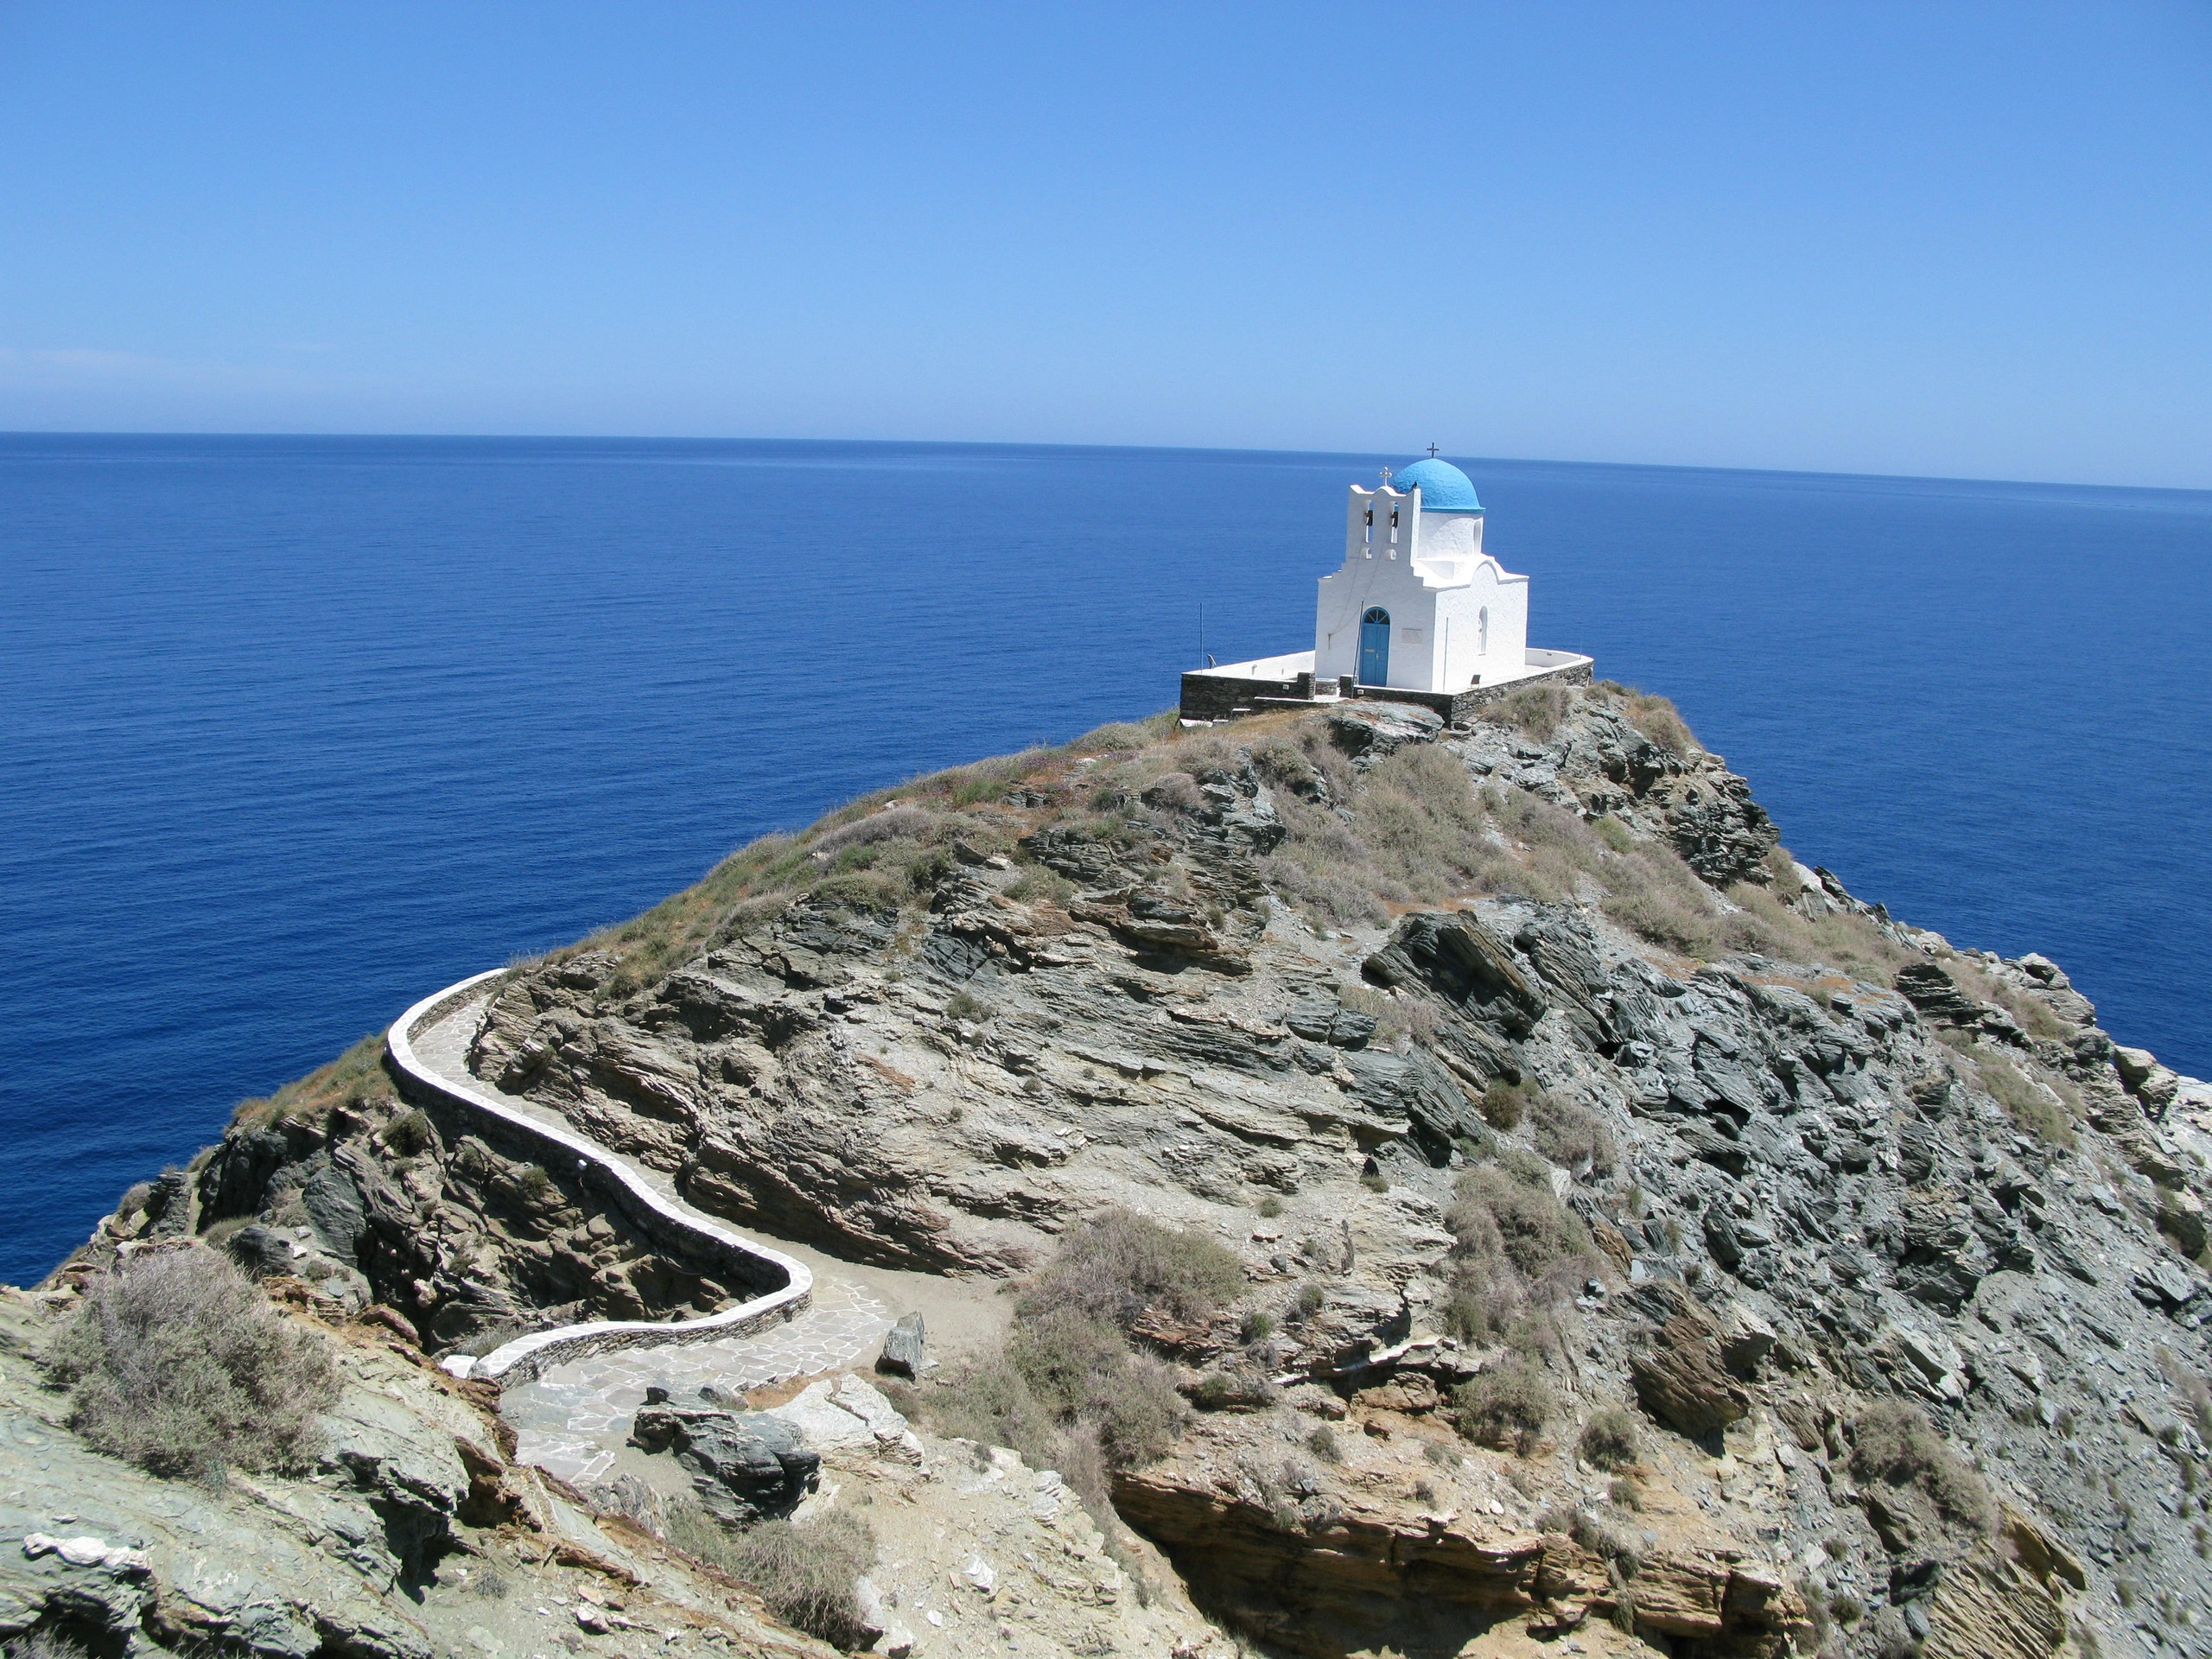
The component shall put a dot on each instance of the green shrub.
(411, 1133)
(1891, 1441)
(1610, 1440)
(1270, 1207)
(1506, 1406)
(535, 1185)
(1241, 1389)
(1615, 833)
(964, 1005)
(1308, 1301)
(178, 1363)
(1117, 1265)
(1136, 1412)
(1322, 1443)
(1039, 885)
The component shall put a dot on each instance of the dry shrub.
(1079, 1369)
(1505, 1406)
(1892, 1442)
(1516, 1248)
(991, 1401)
(1498, 1212)
(177, 1361)
(1659, 720)
(807, 1574)
(1535, 710)
(1114, 1267)
(1657, 897)
(1610, 1440)
(1504, 1104)
(900, 822)
(1278, 760)
(1571, 1136)
(1067, 1391)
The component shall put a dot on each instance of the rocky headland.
(1378, 1187)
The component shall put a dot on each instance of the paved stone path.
(571, 1420)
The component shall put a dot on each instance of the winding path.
(569, 1391)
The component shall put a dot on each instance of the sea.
(296, 730)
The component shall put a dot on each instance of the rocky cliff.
(1645, 1244)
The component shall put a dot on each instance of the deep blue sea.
(298, 730)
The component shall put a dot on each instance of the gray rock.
(745, 1466)
(903, 1351)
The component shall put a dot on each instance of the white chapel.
(1417, 609)
(1418, 604)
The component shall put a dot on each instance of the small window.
(1393, 526)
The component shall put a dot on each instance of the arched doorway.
(1375, 648)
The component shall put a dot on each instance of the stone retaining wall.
(785, 1287)
(1215, 697)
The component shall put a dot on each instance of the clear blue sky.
(1950, 239)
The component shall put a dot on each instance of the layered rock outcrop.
(1539, 1092)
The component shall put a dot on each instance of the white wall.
(1382, 503)
(1373, 578)
(1436, 583)
(1460, 620)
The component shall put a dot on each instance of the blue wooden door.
(1375, 648)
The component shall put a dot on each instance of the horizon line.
(7, 434)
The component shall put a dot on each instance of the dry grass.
(356, 1078)
(45, 1644)
(882, 852)
(177, 1363)
(2038, 1111)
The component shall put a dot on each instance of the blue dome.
(1444, 487)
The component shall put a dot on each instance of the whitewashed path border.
(655, 1212)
